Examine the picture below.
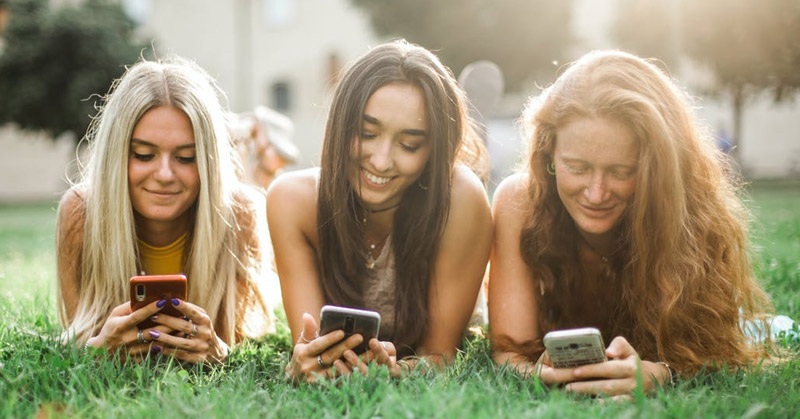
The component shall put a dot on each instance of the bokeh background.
(739, 58)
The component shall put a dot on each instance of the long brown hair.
(422, 214)
(683, 269)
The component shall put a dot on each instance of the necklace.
(370, 263)
(603, 257)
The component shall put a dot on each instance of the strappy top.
(379, 289)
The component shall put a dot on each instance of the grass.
(41, 377)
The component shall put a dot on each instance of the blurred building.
(284, 54)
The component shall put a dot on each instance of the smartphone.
(353, 321)
(148, 288)
(571, 348)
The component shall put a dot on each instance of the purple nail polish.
(156, 349)
(154, 334)
(175, 301)
(161, 303)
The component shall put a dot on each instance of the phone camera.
(349, 325)
(140, 292)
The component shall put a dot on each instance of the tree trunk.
(738, 93)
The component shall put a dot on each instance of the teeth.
(376, 179)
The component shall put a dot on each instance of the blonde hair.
(684, 270)
(222, 267)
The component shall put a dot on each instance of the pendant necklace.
(370, 263)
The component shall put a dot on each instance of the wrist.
(670, 378)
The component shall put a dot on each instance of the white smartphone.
(367, 323)
(571, 348)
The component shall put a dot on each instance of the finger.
(193, 312)
(378, 352)
(143, 313)
(309, 331)
(623, 368)
(544, 359)
(354, 362)
(341, 367)
(184, 326)
(189, 345)
(181, 355)
(122, 309)
(611, 387)
(337, 351)
(620, 348)
(322, 343)
(551, 376)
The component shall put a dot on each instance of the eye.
(410, 148)
(576, 169)
(623, 174)
(142, 157)
(367, 136)
(186, 159)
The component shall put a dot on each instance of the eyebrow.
(374, 121)
(572, 159)
(137, 141)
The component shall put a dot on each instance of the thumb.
(620, 348)
(309, 326)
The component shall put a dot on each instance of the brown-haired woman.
(389, 222)
(626, 220)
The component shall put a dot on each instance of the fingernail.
(175, 301)
(155, 334)
(155, 316)
(161, 303)
(156, 349)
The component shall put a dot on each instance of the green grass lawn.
(40, 376)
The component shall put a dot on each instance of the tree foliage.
(55, 59)
(751, 47)
(524, 37)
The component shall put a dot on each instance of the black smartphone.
(353, 321)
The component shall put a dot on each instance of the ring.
(385, 345)
(320, 363)
(194, 330)
(303, 338)
(140, 336)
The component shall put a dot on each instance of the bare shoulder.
(511, 196)
(292, 198)
(466, 187)
(71, 211)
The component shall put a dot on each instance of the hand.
(198, 343)
(313, 359)
(615, 377)
(382, 353)
(120, 330)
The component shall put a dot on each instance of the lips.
(162, 194)
(375, 180)
(597, 211)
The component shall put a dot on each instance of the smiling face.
(596, 161)
(393, 146)
(162, 168)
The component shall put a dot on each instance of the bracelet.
(673, 375)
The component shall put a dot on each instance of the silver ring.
(140, 336)
(193, 333)
(320, 363)
(303, 338)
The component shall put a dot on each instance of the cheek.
(626, 189)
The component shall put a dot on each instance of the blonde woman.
(160, 195)
(626, 220)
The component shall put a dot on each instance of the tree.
(524, 37)
(56, 59)
(751, 47)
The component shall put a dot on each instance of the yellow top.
(166, 260)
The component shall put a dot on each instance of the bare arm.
(512, 291)
(69, 247)
(459, 268)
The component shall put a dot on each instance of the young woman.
(160, 195)
(389, 222)
(627, 221)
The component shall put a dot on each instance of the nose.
(380, 154)
(164, 172)
(597, 190)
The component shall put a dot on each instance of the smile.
(379, 180)
(162, 193)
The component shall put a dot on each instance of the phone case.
(575, 347)
(353, 321)
(148, 288)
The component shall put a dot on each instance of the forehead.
(400, 104)
(602, 141)
(164, 126)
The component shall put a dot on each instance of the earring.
(421, 186)
(551, 169)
